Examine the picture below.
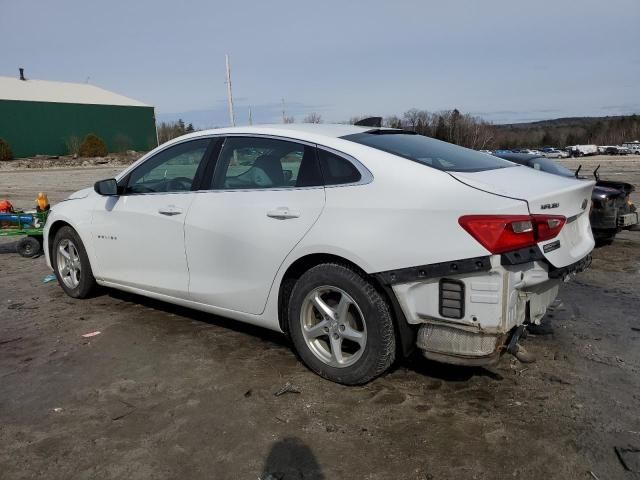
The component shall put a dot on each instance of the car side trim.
(435, 270)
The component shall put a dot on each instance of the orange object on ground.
(43, 202)
(5, 206)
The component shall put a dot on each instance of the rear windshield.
(549, 166)
(428, 151)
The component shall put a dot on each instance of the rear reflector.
(504, 233)
(451, 298)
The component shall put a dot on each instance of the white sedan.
(359, 243)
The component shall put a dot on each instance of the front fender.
(78, 215)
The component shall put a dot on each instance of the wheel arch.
(53, 229)
(405, 333)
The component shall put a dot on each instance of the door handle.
(283, 213)
(170, 211)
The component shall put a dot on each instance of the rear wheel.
(71, 264)
(340, 325)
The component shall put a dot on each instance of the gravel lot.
(166, 392)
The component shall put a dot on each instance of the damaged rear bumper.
(465, 312)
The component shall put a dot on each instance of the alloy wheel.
(333, 326)
(69, 264)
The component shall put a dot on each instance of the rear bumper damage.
(467, 312)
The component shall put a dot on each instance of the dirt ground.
(165, 392)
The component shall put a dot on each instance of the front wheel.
(340, 325)
(71, 264)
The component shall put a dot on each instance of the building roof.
(61, 92)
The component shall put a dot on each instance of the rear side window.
(428, 151)
(337, 170)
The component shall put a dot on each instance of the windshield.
(428, 151)
(549, 166)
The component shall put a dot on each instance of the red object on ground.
(5, 206)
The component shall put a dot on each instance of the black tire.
(29, 247)
(378, 353)
(87, 282)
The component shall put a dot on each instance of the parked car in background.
(634, 147)
(553, 153)
(612, 209)
(616, 150)
(529, 151)
(582, 150)
(358, 242)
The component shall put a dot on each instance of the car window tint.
(171, 170)
(337, 170)
(254, 162)
(428, 151)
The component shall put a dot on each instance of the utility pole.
(250, 116)
(284, 115)
(232, 117)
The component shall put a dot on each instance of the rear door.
(263, 197)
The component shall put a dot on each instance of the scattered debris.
(282, 420)
(49, 278)
(3, 342)
(287, 388)
(91, 334)
(629, 458)
(594, 475)
(21, 306)
(635, 329)
(57, 409)
(248, 393)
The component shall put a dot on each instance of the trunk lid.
(545, 194)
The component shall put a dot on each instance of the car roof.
(303, 131)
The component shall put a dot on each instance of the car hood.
(84, 193)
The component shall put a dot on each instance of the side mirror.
(106, 187)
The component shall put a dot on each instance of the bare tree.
(286, 119)
(313, 117)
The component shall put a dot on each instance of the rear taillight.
(504, 233)
(548, 226)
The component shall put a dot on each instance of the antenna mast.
(232, 117)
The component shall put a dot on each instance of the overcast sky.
(504, 60)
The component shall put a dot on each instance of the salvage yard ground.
(166, 392)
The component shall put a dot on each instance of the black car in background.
(611, 209)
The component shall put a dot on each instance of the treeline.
(570, 131)
(170, 130)
(474, 132)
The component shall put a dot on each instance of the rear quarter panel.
(407, 216)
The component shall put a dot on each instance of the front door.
(265, 196)
(139, 235)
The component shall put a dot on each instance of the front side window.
(171, 170)
(257, 163)
(428, 151)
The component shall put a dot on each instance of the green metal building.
(40, 117)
